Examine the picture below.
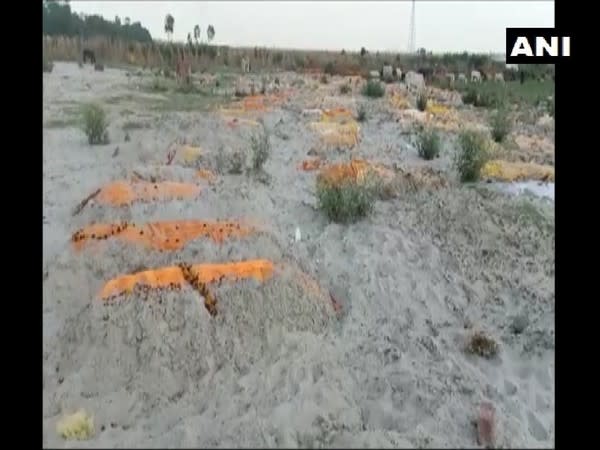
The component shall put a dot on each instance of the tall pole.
(412, 32)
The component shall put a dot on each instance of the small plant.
(77, 426)
(237, 164)
(347, 202)
(551, 107)
(345, 89)
(47, 65)
(373, 89)
(470, 97)
(329, 68)
(362, 114)
(471, 155)
(500, 123)
(482, 345)
(324, 79)
(428, 144)
(422, 101)
(95, 124)
(260, 146)
(157, 85)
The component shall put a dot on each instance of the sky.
(440, 26)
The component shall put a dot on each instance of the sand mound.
(163, 343)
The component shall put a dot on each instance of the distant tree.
(59, 20)
(169, 26)
(127, 21)
(197, 33)
(210, 33)
(343, 52)
(189, 39)
(363, 51)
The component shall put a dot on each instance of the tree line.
(59, 20)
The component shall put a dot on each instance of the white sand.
(275, 368)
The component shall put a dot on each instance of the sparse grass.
(61, 123)
(482, 345)
(362, 114)
(115, 99)
(95, 124)
(194, 101)
(500, 125)
(132, 125)
(428, 144)
(533, 213)
(345, 89)
(422, 101)
(187, 88)
(471, 155)
(493, 94)
(158, 85)
(348, 202)
(260, 146)
(373, 89)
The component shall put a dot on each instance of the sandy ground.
(276, 367)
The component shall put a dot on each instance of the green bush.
(95, 124)
(47, 65)
(486, 98)
(428, 144)
(157, 85)
(329, 68)
(260, 146)
(471, 156)
(422, 101)
(470, 97)
(500, 124)
(373, 89)
(348, 202)
(345, 89)
(362, 114)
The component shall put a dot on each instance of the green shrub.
(329, 68)
(95, 124)
(362, 114)
(373, 89)
(428, 144)
(470, 97)
(157, 85)
(500, 124)
(349, 201)
(486, 98)
(47, 65)
(345, 89)
(471, 156)
(422, 101)
(260, 146)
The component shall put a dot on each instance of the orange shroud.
(175, 277)
(165, 235)
(122, 193)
